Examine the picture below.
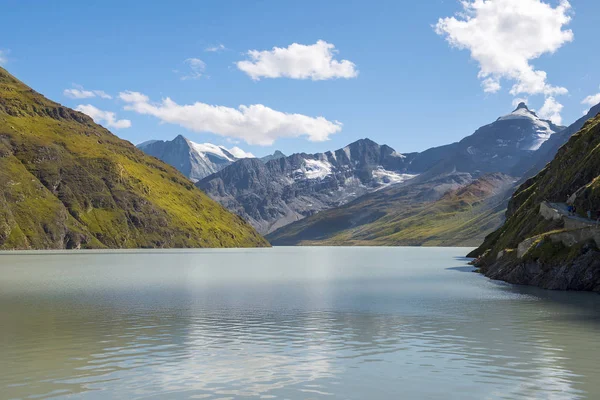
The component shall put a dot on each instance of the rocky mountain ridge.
(273, 194)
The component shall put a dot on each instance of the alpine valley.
(371, 194)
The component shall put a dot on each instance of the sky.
(306, 76)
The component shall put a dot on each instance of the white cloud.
(551, 110)
(215, 49)
(298, 61)
(504, 36)
(107, 117)
(102, 94)
(255, 124)
(78, 92)
(197, 67)
(491, 85)
(592, 100)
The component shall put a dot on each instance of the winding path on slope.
(563, 210)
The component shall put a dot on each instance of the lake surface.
(287, 323)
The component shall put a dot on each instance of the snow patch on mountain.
(314, 169)
(543, 128)
(386, 178)
(230, 155)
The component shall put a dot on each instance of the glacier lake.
(287, 323)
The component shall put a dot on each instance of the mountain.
(66, 182)
(411, 215)
(541, 244)
(548, 150)
(496, 147)
(450, 210)
(194, 160)
(275, 156)
(273, 194)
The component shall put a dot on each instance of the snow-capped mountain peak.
(542, 129)
(195, 160)
(231, 155)
(522, 111)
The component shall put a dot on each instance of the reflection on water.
(288, 323)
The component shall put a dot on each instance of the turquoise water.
(287, 323)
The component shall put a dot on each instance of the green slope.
(66, 182)
(404, 216)
(549, 262)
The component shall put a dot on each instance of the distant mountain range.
(409, 214)
(273, 194)
(276, 191)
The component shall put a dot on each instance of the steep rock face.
(496, 147)
(66, 182)
(450, 210)
(574, 174)
(290, 188)
(194, 160)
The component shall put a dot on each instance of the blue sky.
(412, 91)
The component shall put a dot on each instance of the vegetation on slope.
(66, 182)
(574, 170)
(409, 215)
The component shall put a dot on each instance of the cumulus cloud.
(592, 100)
(78, 92)
(504, 36)
(255, 124)
(104, 117)
(298, 61)
(197, 67)
(215, 49)
(551, 110)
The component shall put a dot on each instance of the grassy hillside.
(66, 182)
(410, 216)
(574, 170)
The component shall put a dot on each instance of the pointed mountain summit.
(549, 148)
(194, 160)
(275, 156)
(497, 147)
(66, 182)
